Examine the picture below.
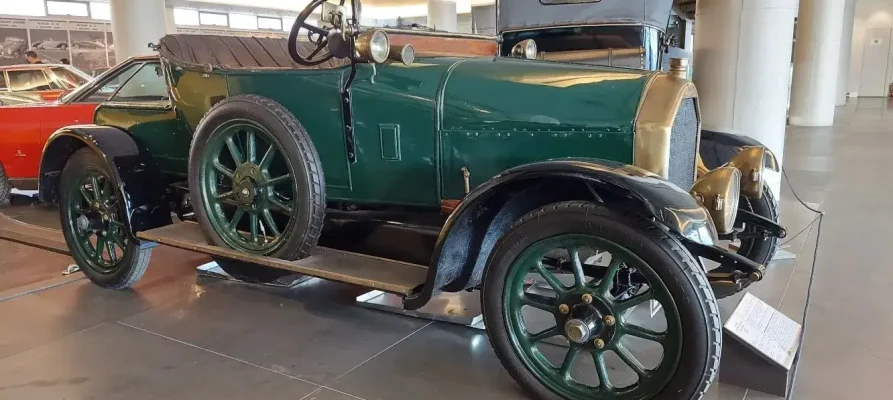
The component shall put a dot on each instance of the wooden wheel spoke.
(268, 217)
(539, 302)
(278, 179)
(254, 225)
(280, 207)
(234, 150)
(604, 287)
(569, 358)
(635, 301)
(237, 217)
(644, 333)
(223, 169)
(544, 334)
(550, 278)
(113, 255)
(630, 360)
(601, 368)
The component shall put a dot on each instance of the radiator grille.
(683, 145)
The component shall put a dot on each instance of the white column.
(688, 41)
(135, 24)
(846, 49)
(742, 61)
(442, 15)
(816, 62)
(169, 18)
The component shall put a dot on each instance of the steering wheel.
(318, 37)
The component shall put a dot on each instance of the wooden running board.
(358, 269)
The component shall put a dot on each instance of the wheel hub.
(590, 320)
(246, 192)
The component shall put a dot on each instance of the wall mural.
(85, 45)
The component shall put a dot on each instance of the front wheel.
(618, 268)
(91, 214)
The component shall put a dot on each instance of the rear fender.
(133, 169)
(471, 232)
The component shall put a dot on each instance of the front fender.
(717, 148)
(473, 229)
(132, 168)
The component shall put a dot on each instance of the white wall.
(869, 14)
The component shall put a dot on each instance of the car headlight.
(752, 161)
(525, 49)
(374, 45)
(718, 192)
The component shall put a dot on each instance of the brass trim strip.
(663, 95)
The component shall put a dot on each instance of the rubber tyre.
(5, 187)
(684, 277)
(757, 250)
(135, 261)
(299, 149)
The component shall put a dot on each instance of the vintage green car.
(422, 163)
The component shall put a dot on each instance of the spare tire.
(256, 183)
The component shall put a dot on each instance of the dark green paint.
(248, 187)
(100, 239)
(558, 378)
(417, 126)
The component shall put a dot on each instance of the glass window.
(76, 9)
(31, 8)
(68, 79)
(185, 16)
(30, 80)
(100, 11)
(147, 84)
(243, 21)
(3, 86)
(213, 19)
(269, 23)
(109, 87)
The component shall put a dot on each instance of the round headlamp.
(374, 45)
(525, 49)
(718, 191)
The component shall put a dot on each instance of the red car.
(49, 81)
(25, 128)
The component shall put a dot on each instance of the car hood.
(495, 93)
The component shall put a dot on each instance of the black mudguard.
(132, 167)
(472, 230)
(717, 148)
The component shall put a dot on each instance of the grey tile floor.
(178, 336)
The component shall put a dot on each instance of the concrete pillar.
(846, 49)
(742, 61)
(169, 19)
(816, 62)
(442, 15)
(135, 24)
(688, 37)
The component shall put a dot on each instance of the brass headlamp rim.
(718, 192)
(364, 45)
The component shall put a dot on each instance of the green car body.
(416, 126)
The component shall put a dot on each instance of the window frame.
(5, 87)
(225, 15)
(99, 84)
(167, 100)
(84, 3)
(279, 19)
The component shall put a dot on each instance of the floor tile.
(22, 265)
(328, 394)
(314, 331)
(113, 362)
(30, 321)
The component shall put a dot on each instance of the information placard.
(765, 330)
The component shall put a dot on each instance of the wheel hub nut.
(598, 343)
(587, 298)
(609, 320)
(564, 309)
(577, 331)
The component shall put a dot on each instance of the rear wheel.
(609, 345)
(92, 224)
(256, 184)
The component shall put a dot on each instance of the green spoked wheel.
(245, 189)
(256, 183)
(96, 235)
(582, 303)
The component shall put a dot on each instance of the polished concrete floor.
(179, 336)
